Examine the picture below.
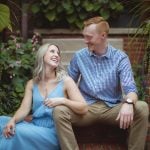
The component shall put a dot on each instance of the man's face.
(92, 37)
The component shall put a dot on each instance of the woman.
(48, 88)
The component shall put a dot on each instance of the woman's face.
(52, 56)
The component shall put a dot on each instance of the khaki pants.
(100, 112)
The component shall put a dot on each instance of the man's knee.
(141, 108)
(60, 112)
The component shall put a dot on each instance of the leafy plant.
(16, 64)
(72, 13)
(141, 12)
(4, 17)
(140, 82)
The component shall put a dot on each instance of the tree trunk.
(24, 21)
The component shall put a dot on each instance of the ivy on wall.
(72, 13)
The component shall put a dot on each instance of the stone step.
(69, 46)
(73, 44)
(66, 56)
(65, 65)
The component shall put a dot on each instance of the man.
(104, 73)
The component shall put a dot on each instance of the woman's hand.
(52, 102)
(9, 129)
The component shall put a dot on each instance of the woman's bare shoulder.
(69, 82)
(67, 79)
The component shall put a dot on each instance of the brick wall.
(136, 53)
(135, 48)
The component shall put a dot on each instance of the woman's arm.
(75, 100)
(22, 111)
(25, 106)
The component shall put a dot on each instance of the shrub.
(16, 63)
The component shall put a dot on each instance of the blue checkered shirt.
(102, 77)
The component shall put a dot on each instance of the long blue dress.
(40, 133)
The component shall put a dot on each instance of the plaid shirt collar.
(107, 54)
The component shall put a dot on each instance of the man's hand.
(125, 115)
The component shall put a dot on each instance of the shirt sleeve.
(73, 69)
(126, 76)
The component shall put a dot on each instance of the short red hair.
(102, 24)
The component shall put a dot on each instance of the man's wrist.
(129, 101)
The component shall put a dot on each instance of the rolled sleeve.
(73, 69)
(126, 76)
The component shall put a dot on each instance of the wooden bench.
(104, 137)
(101, 137)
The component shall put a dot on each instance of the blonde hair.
(39, 69)
(102, 24)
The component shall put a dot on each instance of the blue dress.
(40, 133)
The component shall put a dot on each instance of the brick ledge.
(113, 31)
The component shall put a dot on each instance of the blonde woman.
(49, 88)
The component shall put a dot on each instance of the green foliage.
(16, 64)
(140, 82)
(4, 17)
(72, 13)
(141, 11)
